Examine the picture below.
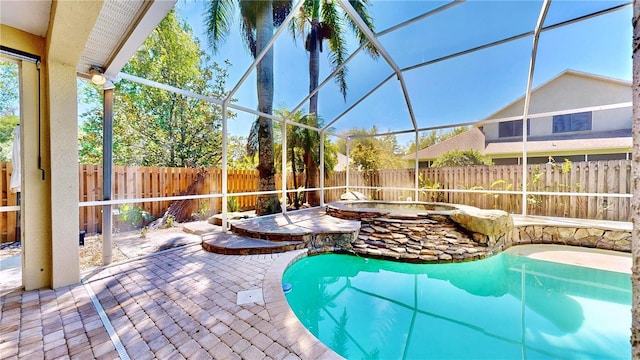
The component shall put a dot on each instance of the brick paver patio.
(176, 304)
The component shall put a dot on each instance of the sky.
(464, 89)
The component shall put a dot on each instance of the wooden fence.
(612, 177)
(8, 220)
(136, 182)
(149, 182)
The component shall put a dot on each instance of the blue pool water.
(503, 307)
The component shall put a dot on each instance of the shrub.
(462, 158)
(203, 211)
(232, 204)
(133, 216)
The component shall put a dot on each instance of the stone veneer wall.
(438, 239)
(589, 237)
(427, 238)
(425, 241)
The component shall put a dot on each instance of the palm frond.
(299, 24)
(337, 46)
(307, 8)
(361, 7)
(295, 28)
(310, 139)
(249, 11)
(218, 19)
(281, 9)
(249, 38)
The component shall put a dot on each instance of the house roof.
(550, 147)
(472, 139)
(564, 73)
(342, 162)
(475, 139)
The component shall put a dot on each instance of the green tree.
(433, 137)
(9, 106)
(153, 127)
(372, 152)
(462, 158)
(237, 155)
(424, 141)
(9, 88)
(322, 20)
(294, 148)
(453, 132)
(7, 124)
(259, 18)
(302, 144)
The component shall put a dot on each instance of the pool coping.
(301, 340)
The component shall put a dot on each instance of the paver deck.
(178, 304)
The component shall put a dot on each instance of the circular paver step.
(232, 244)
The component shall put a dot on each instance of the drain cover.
(250, 296)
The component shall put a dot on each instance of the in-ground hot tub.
(424, 231)
(359, 209)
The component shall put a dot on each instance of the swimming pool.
(503, 307)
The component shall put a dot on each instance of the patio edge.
(299, 338)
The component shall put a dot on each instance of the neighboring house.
(342, 162)
(601, 134)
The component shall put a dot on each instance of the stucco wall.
(70, 26)
(605, 120)
(570, 91)
(49, 211)
(35, 214)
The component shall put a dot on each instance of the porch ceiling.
(120, 28)
(28, 16)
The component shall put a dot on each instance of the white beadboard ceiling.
(115, 22)
(121, 28)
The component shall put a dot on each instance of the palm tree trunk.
(635, 206)
(265, 204)
(311, 164)
(314, 65)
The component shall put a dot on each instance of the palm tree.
(293, 146)
(302, 144)
(259, 18)
(321, 20)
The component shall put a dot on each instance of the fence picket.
(140, 182)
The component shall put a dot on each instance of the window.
(512, 128)
(572, 122)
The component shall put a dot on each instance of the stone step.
(231, 217)
(233, 244)
(275, 235)
(199, 227)
(302, 225)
